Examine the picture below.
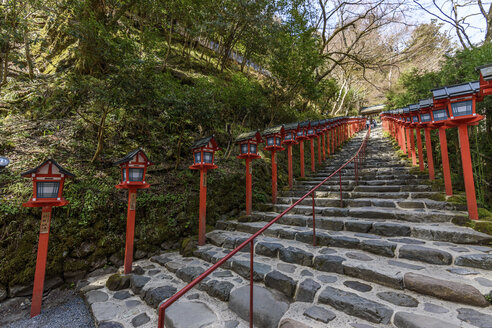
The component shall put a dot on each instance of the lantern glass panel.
(415, 119)
(288, 136)
(300, 133)
(462, 108)
(123, 174)
(244, 148)
(198, 157)
(252, 148)
(270, 141)
(47, 189)
(310, 132)
(278, 141)
(136, 174)
(440, 115)
(207, 157)
(425, 117)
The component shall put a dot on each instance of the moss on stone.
(481, 226)
(484, 214)
(457, 199)
(188, 246)
(438, 197)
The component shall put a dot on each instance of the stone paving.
(388, 256)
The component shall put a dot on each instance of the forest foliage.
(86, 81)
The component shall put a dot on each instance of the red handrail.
(358, 158)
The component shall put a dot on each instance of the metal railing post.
(314, 223)
(251, 263)
(341, 197)
(356, 173)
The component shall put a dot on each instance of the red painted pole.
(130, 229)
(319, 149)
(289, 164)
(445, 161)
(403, 142)
(301, 149)
(409, 149)
(203, 207)
(332, 140)
(44, 236)
(274, 179)
(471, 199)
(248, 186)
(412, 146)
(314, 222)
(430, 159)
(328, 143)
(312, 155)
(419, 146)
(323, 136)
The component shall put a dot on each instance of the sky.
(475, 23)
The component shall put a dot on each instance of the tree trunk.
(100, 134)
(178, 154)
(5, 66)
(28, 53)
(169, 40)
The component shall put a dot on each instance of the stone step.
(132, 300)
(439, 232)
(380, 213)
(371, 269)
(363, 181)
(364, 202)
(412, 249)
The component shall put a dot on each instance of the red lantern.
(273, 137)
(425, 118)
(133, 172)
(48, 182)
(203, 160)
(289, 140)
(485, 80)
(248, 150)
(301, 136)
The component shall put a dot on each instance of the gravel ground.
(61, 309)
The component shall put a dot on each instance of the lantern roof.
(414, 107)
(314, 124)
(28, 174)
(485, 71)
(406, 110)
(131, 155)
(273, 130)
(424, 103)
(249, 135)
(304, 124)
(207, 141)
(456, 90)
(291, 126)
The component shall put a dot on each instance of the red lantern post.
(301, 136)
(323, 137)
(425, 120)
(203, 160)
(460, 102)
(289, 140)
(273, 137)
(48, 182)
(248, 149)
(133, 171)
(311, 135)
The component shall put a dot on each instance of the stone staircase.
(387, 256)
